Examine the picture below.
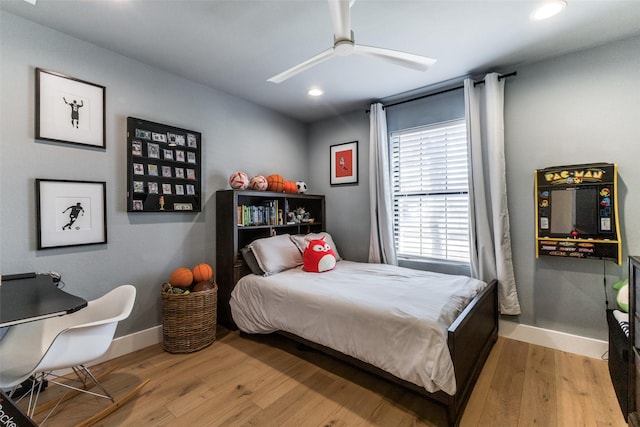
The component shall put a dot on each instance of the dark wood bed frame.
(470, 338)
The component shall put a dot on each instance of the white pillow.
(276, 254)
(301, 241)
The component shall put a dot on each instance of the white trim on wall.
(132, 342)
(576, 344)
(530, 334)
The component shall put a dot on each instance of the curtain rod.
(479, 82)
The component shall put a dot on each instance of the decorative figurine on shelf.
(161, 203)
(300, 213)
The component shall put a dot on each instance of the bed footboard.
(471, 338)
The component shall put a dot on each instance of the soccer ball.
(259, 183)
(239, 181)
(302, 186)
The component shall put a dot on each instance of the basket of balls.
(189, 309)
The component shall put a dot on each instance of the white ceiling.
(235, 46)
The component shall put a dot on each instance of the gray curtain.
(381, 243)
(490, 234)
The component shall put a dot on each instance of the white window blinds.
(430, 192)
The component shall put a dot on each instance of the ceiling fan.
(344, 45)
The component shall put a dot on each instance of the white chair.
(71, 341)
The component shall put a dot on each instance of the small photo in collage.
(191, 141)
(138, 187)
(153, 188)
(136, 148)
(153, 150)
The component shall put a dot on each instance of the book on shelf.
(267, 213)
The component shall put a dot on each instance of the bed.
(427, 331)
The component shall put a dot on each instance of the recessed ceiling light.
(548, 9)
(315, 92)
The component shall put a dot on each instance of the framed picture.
(70, 213)
(344, 163)
(136, 148)
(153, 151)
(69, 110)
(161, 161)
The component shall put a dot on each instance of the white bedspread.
(391, 317)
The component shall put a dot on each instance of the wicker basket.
(188, 321)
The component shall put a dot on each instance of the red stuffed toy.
(318, 256)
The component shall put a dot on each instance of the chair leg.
(86, 373)
(86, 378)
(34, 393)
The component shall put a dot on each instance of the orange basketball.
(290, 187)
(181, 277)
(202, 273)
(275, 183)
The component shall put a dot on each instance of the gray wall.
(347, 206)
(580, 108)
(142, 249)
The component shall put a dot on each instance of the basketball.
(202, 273)
(239, 181)
(181, 277)
(259, 183)
(290, 187)
(275, 183)
(202, 286)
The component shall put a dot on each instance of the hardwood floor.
(269, 381)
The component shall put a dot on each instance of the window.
(431, 192)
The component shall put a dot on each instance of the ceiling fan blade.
(321, 57)
(340, 19)
(409, 60)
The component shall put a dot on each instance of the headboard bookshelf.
(243, 216)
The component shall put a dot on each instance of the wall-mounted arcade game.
(577, 212)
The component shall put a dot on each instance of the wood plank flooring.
(270, 381)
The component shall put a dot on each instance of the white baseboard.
(132, 342)
(533, 335)
(553, 339)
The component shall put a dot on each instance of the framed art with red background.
(344, 163)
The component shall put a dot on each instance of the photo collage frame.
(164, 168)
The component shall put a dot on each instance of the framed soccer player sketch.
(70, 213)
(69, 110)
